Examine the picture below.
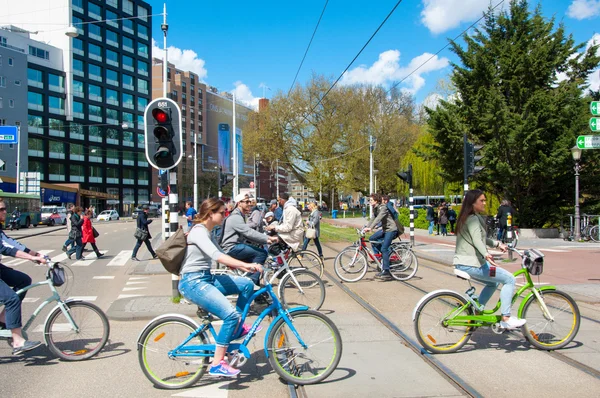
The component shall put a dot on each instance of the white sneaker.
(512, 323)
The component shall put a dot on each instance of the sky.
(255, 48)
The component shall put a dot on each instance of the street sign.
(8, 135)
(588, 141)
(595, 124)
(161, 193)
(595, 108)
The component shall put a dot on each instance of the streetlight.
(576, 152)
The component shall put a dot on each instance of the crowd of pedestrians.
(439, 216)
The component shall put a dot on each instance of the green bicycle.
(444, 320)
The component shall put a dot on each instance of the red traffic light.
(160, 115)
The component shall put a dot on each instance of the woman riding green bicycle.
(471, 256)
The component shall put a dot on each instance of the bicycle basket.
(58, 275)
(534, 261)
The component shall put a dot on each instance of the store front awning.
(97, 195)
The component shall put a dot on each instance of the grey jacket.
(385, 218)
(237, 231)
(314, 221)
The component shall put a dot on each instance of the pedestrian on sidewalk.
(444, 219)
(88, 233)
(76, 234)
(430, 217)
(472, 257)
(69, 241)
(190, 213)
(142, 223)
(451, 217)
(314, 221)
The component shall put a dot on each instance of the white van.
(52, 215)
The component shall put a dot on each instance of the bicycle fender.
(57, 307)
(187, 318)
(541, 288)
(295, 309)
(414, 314)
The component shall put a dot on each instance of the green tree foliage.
(510, 99)
(326, 144)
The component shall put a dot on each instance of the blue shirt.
(278, 213)
(190, 212)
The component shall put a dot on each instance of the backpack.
(172, 252)
(218, 232)
(394, 214)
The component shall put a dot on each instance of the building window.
(128, 63)
(112, 77)
(78, 5)
(76, 173)
(2, 81)
(141, 159)
(112, 175)
(95, 31)
(114, 3)
(35, 147)
(34, 123)
(95, 133)
(128, 25)
(128, 118)
(112, 116)
(78, 67)
(112, 136)
(57, 128)
(128, 7)
(95, 113)
(35, 165)
(142, 67)
(57, 150)
(78, 112)
(112, 156)
(11, 103)
(95, 52)
(140, 123)
(56, 105)
(56, 172)
(129, 158)
(56, 83)
(143, 177)
(34, 78)
(76, 130)
(128, 101)
(95, 72)
(94, 92)
(35, 101)
(142, 104)
(143, 50)
(142, 14)
(76, 152)
(111, 17)
(127, 44)
(38, 52)
(112, 58)
(94, 11)
(128, 138)
(143, 31)
(78, 24)
(128, 82)
(112, 38)
(11, 62)
(95, 174)
(142, 86)
(112, 97)
(128, 176)
(95, 154)
(78, 88)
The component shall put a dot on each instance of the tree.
(519, 92)
(324, 140)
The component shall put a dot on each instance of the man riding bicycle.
(10, 281)
(388, 232)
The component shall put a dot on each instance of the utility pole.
(277, 177)
(235, 155)
(371, 181)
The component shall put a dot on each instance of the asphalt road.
(376, 360)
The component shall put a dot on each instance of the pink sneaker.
(246, 329)
(224, 370)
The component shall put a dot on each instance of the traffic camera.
(162, 128)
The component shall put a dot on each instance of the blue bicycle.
(303, 346)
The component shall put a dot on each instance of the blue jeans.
(138, 244)
(317, 243)
(501, 229)
(491, 283)
(249, 254)
(384, 247)
(430, 229)
(10, 281)
(208, 291)
(76, 248)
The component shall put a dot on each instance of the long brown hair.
(467, 207)
(208, 207)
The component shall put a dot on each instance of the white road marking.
(18, 261)
(435, 250)
(445, 244)
(128, 296)
(103, 277)
(88, 260)
(128, 289)
(554, 250)
(84, 298)
(30, 299)
(137, 278)
(136, 283)
(120, 259)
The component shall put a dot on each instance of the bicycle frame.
(54, 297)
(207, 350)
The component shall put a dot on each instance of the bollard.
(509, 234)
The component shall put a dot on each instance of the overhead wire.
(308, 47)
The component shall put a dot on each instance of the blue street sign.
(161, 171)
(8, 135)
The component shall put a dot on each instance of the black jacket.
(76, 224)
(503, 214)
(142, 223)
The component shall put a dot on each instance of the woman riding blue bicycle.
(472, 257)
(207, 290)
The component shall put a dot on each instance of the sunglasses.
(2, 208)
(246, 201)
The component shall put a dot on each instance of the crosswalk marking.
(135, 283)
(103, 277)
(554, 250)
(128, 289)
(213, 390)
(120, 259)
(128, 296)
(137, 278)
(88, 260)
(19, 261)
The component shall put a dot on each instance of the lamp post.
(576, 152)
(371, 190)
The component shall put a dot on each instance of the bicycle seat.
(461, 274)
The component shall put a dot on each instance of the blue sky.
(245, 46)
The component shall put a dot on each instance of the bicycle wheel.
(77, 345)
(551, 334)
(350, 265)
(311, 363)
(431, 327)
(595, 233)
(309, 260)
(166, 371)
(308, 289)
(403, 263)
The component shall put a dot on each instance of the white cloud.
(387, 70)
(186, 60)
(582, 9)
(433, 100)
(244, 94)
(594, 77)
(442, 15)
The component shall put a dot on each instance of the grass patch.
(176, 300)
(332, 233)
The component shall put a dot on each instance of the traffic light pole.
(465, 164)
(220, 190)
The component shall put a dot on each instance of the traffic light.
(406, 176)
(225, 180)
(162, 124)
(471, 159)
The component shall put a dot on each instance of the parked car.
(52, 215)
(108, 215)
(153, 211)
(136, 213)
